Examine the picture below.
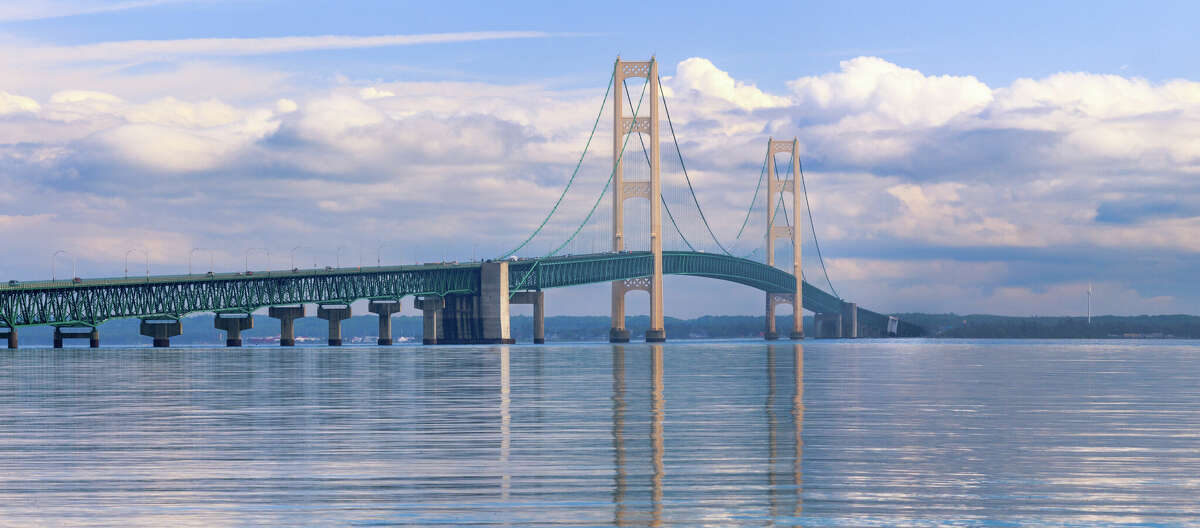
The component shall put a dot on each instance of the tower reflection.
(656, 433)
(623, 514)
(632, 507)
(798, 421)
(776, 498)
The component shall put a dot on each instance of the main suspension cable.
(612, 174)
(586, 146)
(813, 226)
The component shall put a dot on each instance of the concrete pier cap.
(287, 316)
(335, 313)
(384, 308)
(91, 333)
(233, 324)
(538, 300)
(161, 329)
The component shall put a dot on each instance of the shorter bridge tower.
(775, 230)
(652, 191)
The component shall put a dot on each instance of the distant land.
(198, 329)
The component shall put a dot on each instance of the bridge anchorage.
(469, 302)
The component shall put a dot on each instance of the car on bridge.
(14, 282)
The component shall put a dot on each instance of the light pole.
(247, 257)
(339, 256)
(145, 253)
(292, 257)
(53, 275)
(210, 259)
(378, 255)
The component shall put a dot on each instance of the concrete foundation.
(538, 300)
(618, 335)
(92, 334)
(384, 309)
(850, 320)
(829, 325)
(10, 335)
(493, 314)
(233, 324)
(465, 318)
(335, 314)
(287, 316)
(162, 330)
(656, 335)
(431, 311)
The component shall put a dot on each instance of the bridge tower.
(775, 185)
(651, 191)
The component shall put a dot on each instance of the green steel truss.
(92, 302)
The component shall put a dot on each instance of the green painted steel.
(91, 302)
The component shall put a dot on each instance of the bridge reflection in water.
(784, 486)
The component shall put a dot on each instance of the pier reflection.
(639, 488)
(505, 424)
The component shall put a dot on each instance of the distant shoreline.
(361, 329)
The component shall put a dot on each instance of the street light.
(292, 258)
(247, 257)
(210, 258)
(339, 256)
(55, 255)
(144, 252)
(378, 255)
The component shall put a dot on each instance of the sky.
(960, 157)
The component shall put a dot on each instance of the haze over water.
(870, 432)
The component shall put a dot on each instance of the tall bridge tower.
(651, 191)
(774, 231)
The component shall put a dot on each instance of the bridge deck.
(93, 301)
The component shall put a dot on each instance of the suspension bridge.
(579, 241)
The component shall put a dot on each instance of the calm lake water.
(831, 433)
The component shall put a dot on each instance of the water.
(895, 433)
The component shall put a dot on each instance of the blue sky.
(963, 157)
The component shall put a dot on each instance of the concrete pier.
(829, 325)
(233, 324)
(538, 300)
(335, 314)
(539, 319)
(618, 335)
(385, 309)
(850, 320)
(493, 304)
(91, 333)
(162, 330)
(287, 316)
(9, 334)
(431, 307)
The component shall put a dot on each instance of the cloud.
(12, 104)
(930, 192)
(149, 50)
(699, 77)
(870, 93)
(41, 9)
